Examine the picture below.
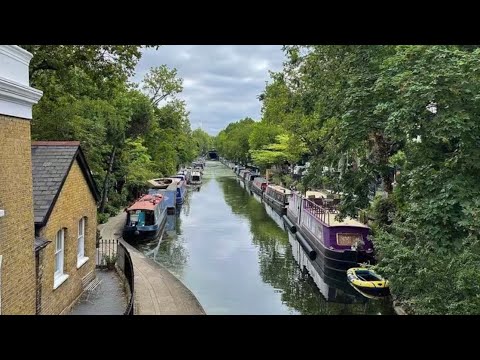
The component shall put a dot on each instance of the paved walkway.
(108, 298)
(157, 291)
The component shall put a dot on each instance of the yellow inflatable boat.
(368, 282)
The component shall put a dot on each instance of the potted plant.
(110, 261)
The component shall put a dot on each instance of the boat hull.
(334, 263)
(327, 280)
(372, 293)
(276, 205)
(144, 233)
(256, 190)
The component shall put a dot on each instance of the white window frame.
(59, 275)
(81, 258)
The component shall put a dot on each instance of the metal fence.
(107, 253)
(128, 272)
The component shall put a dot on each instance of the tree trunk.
(387, 183)
(105, 182)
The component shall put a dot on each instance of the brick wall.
(74, 202)
(16, 227)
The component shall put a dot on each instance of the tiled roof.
(51, 162)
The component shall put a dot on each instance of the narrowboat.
(168, 189)
(186, 173)
(241, 173)
(198, 164)
(334, 245)
(196, 178)
(277, 197)
(259, 185)
(146, 218)
(199, 169)
(250, 177)
(368, 283)
(332, 289)
(181, 184)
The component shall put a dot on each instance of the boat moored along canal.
(277, 197)
(264, 278)
(339, 244)
(196, 178)
(368, 283)
(146, 218)
(259, 185)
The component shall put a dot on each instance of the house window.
(59, 276)
(59, 253)
(81, 259)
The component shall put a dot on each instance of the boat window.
(348, 239)
(141, 218)
(149, 218)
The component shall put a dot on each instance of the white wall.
(16, 95)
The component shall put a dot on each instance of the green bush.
(383, 210)
(102, 218)
(287, 180)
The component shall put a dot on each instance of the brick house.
(65, 213)
(17, 272)
(46, 217)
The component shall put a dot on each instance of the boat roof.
(176, 180)
(260, 179)
(348, 221)
(178, 176)
(160, 182)
(317, 193)
(147, 202)
(280, 189)
(195, 173)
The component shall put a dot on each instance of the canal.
(232, 252)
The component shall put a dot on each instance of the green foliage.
(362, 114)
(383, 210)
(126, 135)
(201, 141)
(102, 218)
(233, 141)
(161, 83)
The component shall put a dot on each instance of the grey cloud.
(221, 82)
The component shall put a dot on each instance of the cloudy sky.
(221, 82)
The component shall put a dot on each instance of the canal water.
(232, 252)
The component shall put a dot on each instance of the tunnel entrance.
(213, 155)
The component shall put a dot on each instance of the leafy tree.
(161, 83)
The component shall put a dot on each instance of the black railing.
(129, 274)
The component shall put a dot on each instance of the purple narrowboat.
(333, 246)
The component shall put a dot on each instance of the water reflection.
(279, 268)
(232, 251)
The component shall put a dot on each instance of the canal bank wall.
(157, 291)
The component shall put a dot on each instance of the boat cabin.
(144, 211)
(160, 183)
(260, 183)
(278, 193)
